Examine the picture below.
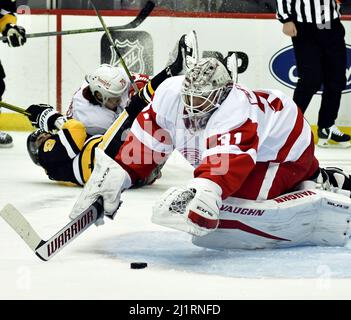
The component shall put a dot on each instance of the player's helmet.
(33, 147)
(109, 82)
(204, 88)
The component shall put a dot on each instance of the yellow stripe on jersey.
(109, 134)
(67, 184)
(77, 132)
(150, 88)
(6, 19)
(147, 92)
(87, 158)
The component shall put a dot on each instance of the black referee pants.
(321, 59)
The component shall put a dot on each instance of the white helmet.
(110, 82)
(204, 88)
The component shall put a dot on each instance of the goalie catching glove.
(193, 209)
(108, 180)
(45, 117)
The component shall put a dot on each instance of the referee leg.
(308, 61)
(334, 73)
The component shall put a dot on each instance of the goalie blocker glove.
(15, 35)
(193, 209)
(108, 180)
(45, 117)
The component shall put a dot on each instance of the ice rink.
(97, 264)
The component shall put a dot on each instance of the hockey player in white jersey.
(102, 97)
(107, 91)
(257, 183)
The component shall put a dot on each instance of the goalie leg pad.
(307, 217)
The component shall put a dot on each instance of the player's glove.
(107, 180)
(15, 35)
(193, 209)
(45, 117)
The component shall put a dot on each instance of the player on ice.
(257, 182)
(15, 37)
(68, 155)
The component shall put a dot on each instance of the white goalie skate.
(231, 63)
(184, 55)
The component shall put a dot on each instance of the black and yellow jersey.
(7, 13)
(68, 155)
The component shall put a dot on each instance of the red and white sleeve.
(146, 146)
(230, 157)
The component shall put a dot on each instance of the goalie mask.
(204, 88)
(109, 86)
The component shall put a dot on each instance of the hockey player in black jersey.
(15, 37)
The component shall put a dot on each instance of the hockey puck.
(138, 265)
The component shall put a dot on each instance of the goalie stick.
(143, 14)
(45, 250)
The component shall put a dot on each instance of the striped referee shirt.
(310, 11)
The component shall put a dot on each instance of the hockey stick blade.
(45, 250)
(143, 14)
(18, 223)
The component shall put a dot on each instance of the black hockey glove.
(43, 116)
(15, 35)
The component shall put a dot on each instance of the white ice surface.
(97, 264)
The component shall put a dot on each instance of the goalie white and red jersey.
(256, 145)
(98, 119)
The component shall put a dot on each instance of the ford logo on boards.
(283, 68)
